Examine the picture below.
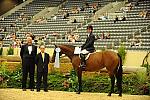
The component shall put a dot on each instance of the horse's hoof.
(120, 95)
(109, 94)
(77, 92)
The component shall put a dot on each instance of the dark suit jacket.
(89, 43)
(24, 53)
(42, 66)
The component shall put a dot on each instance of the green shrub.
(15, 78)
(55, 81)
(136, 83)
(4, 74)
(73, 81)
(122, 52)
(147, 66)
(1, 51)
(10, 51)
(3, 70)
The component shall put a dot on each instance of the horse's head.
(68, 50)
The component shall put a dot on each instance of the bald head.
(29, 40)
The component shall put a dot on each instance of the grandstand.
(122, 32)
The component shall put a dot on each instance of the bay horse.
(96, 61)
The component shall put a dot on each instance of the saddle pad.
(87, 55)
(77, 50)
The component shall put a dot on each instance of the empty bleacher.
(120, 32)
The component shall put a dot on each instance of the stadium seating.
(121, 32)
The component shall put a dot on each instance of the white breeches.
(84, 51)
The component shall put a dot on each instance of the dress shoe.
(38, 90)
(32, 89)
(45, 90)
(24, 89)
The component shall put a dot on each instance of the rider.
(88, 46)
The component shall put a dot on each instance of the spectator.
(82, 8)
(2, 18)
(116, 19)
(124, 18)
(54, 18)
(125, 9)
(56, 35)
(79, 9)
(41, 20)
(16, 43)
(75, 10)
(64, 15)
(103, 36)
(103, 17)
(74, 21)
(2, 37)
(97, 37)
(76, 37)
(143, 13)
(13, 25)
(1, 29)
(135, 42)
(71, 38)
(29, 34)
(94, 6)
(108, 36)
(5, 29)
(136, 3)
(86, 5)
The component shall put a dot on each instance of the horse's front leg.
(79, 80)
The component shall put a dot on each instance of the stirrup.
(83, 67)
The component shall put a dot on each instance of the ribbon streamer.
(57, 64)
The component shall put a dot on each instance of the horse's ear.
(55, 45)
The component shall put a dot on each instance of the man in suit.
(42, 61)
(28, 53)
(88, 46)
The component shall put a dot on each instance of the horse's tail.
(119, 75)
(120, 69)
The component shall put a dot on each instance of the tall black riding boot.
(83, 62)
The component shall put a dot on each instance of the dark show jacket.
(89, 43)
(42, 66)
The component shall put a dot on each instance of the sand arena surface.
(18, 94)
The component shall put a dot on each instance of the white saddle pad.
(77, 50)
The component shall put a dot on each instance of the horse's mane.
(70, 46)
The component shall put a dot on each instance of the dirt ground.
(18, 94)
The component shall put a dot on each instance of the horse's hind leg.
(119, 84)
(79, 80)
(112, 77)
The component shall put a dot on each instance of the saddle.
(83, 57)
(77, 51)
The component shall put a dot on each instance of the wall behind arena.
(133, 58)
(6, 5)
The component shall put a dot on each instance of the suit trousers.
(28, 67)
(39, 78)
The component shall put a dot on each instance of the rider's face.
(89, 30)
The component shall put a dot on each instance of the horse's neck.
(69, 52)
